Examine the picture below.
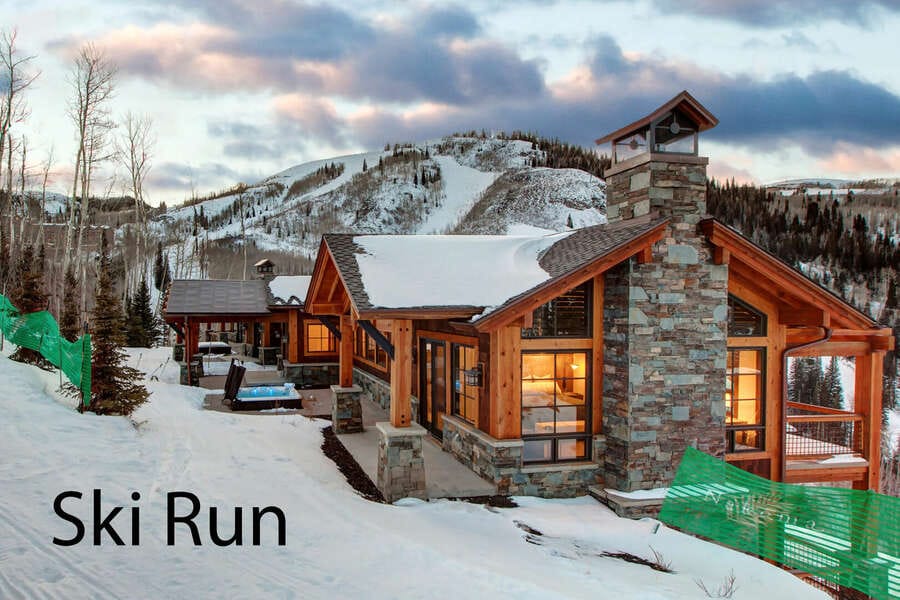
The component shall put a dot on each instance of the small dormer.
(673, 128)
(265, 269)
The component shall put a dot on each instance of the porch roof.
(189, 297)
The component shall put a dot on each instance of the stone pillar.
(664, 328)
(401, 467)
(346, 410)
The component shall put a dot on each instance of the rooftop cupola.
(673, 128)
(265, 269)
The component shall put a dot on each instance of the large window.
(556, 406)
(465, 396)
(319, 339)
(369, 351)
(745, 399)
(744, 320)
(568, 315)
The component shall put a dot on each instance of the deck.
(445, 477)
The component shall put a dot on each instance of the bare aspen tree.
(45, 176)
(243, 234)
(15, 78)
(92, 81)
(134, 151)
(20, 207)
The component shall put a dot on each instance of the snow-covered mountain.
(453, 184)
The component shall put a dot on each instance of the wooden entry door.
(433, 385)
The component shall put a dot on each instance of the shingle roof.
(217, 297)
(589, 243)
(567, 254)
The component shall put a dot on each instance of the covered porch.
(778, 317)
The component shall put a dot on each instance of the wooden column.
(597, 368)
(266, 333)
(506, 382)
(195, 338)
(346, 351)
(401, 372)
(867, 400)
(294, 339)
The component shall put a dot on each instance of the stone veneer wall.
(500, 462)
(664, 328)
(379, 391)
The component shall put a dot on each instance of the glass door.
(433, 378)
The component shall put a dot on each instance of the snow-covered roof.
(477, 272)
(289, 289)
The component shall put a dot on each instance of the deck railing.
(817, 432)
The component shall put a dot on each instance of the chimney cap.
(684, 103)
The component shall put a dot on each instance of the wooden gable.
(802, 305)
(327, 294)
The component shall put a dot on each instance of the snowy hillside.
(338, 545)
(454, 184)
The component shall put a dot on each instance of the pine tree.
(142, 329)
(891, 300)
(70, 321)
(114, 385)
(27, 295)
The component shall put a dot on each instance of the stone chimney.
(664, 320)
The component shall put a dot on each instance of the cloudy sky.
(240, 89)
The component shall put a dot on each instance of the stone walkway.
(445, 477)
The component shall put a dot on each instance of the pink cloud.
(853, 160)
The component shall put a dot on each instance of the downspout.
(784, 390)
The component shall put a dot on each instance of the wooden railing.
(817, 432)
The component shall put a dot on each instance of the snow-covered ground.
(338, 544)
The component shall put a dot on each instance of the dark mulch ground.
(492, 501)
(356, 477)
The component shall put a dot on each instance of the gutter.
(784, 390)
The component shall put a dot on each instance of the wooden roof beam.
(803, 317)
(782, 275)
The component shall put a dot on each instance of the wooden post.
(346, 351)
(867, 401)
(188, 347)
(597, 370)
(294, 340)
(506, 382)
(401, 372)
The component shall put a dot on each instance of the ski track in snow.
(338, 544)
(462, 187)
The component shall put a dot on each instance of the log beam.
(401, 372)
(346, 352)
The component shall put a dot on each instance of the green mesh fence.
(848, 537)
(40, 332)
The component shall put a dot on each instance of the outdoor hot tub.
(264, 397)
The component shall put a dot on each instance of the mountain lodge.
(589, 360)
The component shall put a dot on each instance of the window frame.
(587, 435)
(764, 319)
(588, 313)
(331, 344)
(362, 342)
(730, 430)
(456, 383)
